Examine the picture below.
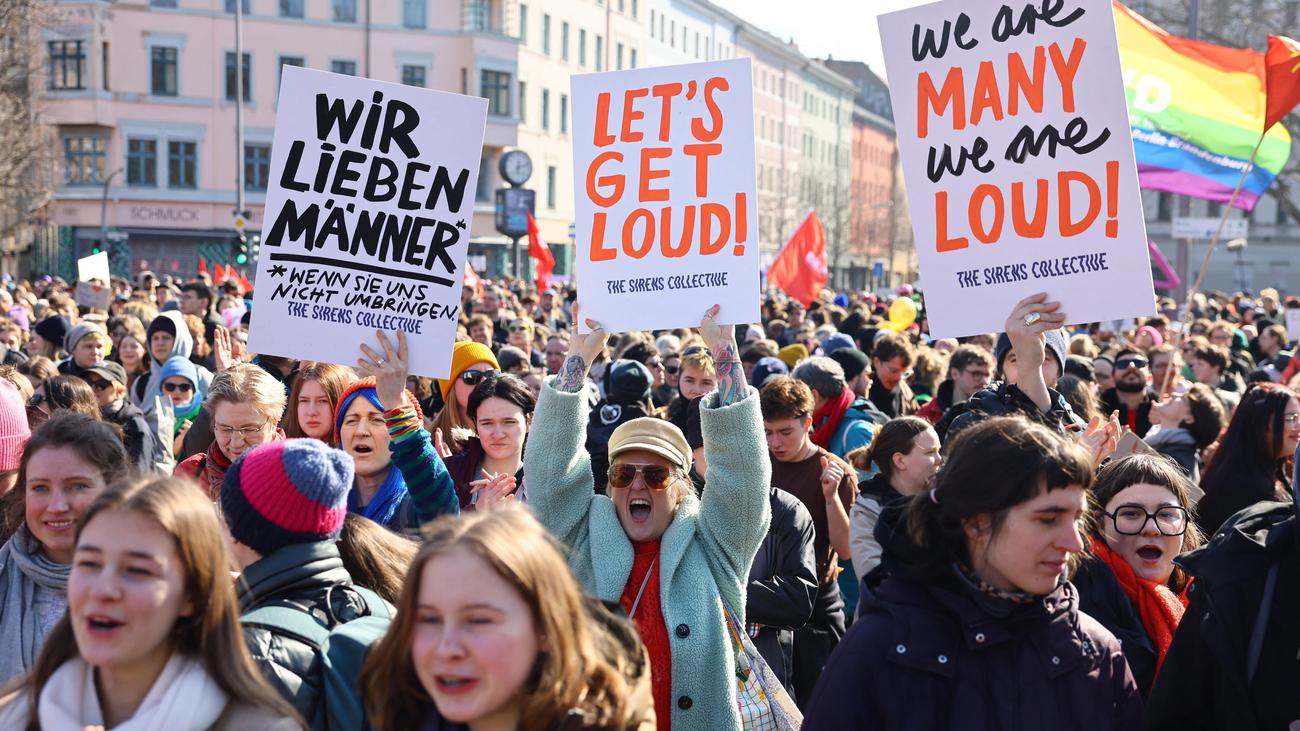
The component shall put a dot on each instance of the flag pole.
(1185, 317)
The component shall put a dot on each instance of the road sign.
(512, 208)
(117, 237)
(1204, 228)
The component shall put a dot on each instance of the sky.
(843, 29)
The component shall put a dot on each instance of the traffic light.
(241, 249)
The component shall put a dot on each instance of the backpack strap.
(288, 620)
(375, 604)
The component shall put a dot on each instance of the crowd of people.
(827, 519)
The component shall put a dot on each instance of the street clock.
(516, 167)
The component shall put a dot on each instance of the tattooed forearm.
(572, 374)
(731, 374)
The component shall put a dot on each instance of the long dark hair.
(1247, 457)
(92, 440)
(376, 557)
(897, 436)
(1150, 469)
(503, 386)
(991, 467)
(212, 634)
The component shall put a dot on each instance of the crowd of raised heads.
(826, 520)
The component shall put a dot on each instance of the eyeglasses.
(182, 387)
(1292, 418)
(519, 328)
(226, 431)
(656, 363)
(672, 369)
(473, 378)
(1126, 363)
(1130, 520)
(656, 476)
(99, 384)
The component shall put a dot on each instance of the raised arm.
(1030, 319)
(432, 491)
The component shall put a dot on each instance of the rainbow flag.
(1196, 110)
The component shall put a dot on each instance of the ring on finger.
(380, 362)
(1032, 318)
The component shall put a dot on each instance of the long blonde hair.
(572, 673)
(212, 633)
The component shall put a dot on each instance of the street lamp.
(1239, 245)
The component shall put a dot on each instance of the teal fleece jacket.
(705, 554)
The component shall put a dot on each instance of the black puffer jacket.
(1102, 598)
(1004, 399)
(1204, 682)
(306, 576)
(141, 444)
(782, 584)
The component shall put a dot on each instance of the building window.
(67, 65)
(652, 22)
(582, 47)
(661, 27)
(550, 187)
(631, 58)
(291, 8)
(480, 15)
(633, 8)
(413, 75)
(246, 9)
(182, 164)
(600, 53)
(564, 114)
(564, 41)
(523, 24)
(546, 108)
(257, 166)
(415, 13)
(163, 77)
(141, 162)
(523, 102)
(546, 33)
(483, 193)
(104, 63)
(83, 159)
(230, 76)
(1164, 207)
(495, 87)
(348, 68)
(1281, 217)
(618, 56)
(162, 3)
(345, 11)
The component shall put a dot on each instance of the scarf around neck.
(22, 569)
(183, 698)
(1158, 606)
(383, 506)
(828, 418)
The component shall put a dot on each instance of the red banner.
(800, 268)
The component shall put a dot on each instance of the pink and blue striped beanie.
(286, 492)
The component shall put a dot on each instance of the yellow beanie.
(466, 354)
(792, 354)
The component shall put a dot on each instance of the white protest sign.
(95, 295)
(94, 266)
(1015, 145)
(663, 162)
(368, 213)
(1293, 324)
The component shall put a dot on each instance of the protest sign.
(1016, 150)
(664, 184)
(368, 209)
(94, 283)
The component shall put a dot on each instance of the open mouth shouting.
(639, 509)
(1150, 553)
(102, 626)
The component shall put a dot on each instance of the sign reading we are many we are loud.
(664, 188)
(368, 213)
(1015, 144)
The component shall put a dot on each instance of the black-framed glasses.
(473, 378)
(1131, 520)
(656, 476)
(1130, 362)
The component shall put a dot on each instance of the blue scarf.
(383, 506)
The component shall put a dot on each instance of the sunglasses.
(473, 378)
(519, 328)
(182, 387)
(672, 369)
(98, 384)
(1125, 363)
(656, 477)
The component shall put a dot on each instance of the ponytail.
(896, 437)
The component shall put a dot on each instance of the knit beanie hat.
(1055, 345)
(18, 314)
(53, 328)
(628, 382)
(766, 368)
(165, 324)
(792, 354)
(835, 342)
(78, 332)
(14, 431)
(286, 492)
(465, 354)
(365, 388)
(852, 360)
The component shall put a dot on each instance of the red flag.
(203, 266)
(471, 278)
(245, 284)
(1282, 64)
(800, 268)
(218, 274)
(538, 250)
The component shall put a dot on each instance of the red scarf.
(828, 418)
(1160, 608)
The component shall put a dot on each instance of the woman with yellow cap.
(470, 362)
